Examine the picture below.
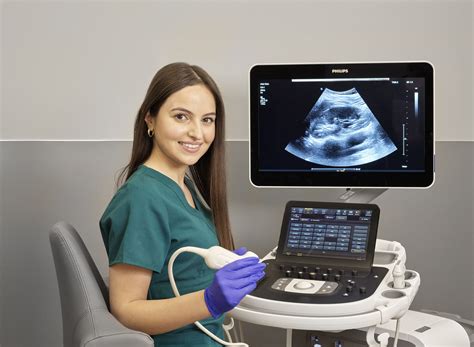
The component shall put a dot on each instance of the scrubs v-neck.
(146, 221)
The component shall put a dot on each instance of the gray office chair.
(84, 296)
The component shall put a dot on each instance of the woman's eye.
(181, 116)
(209, 120)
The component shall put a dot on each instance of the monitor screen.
(344, 125)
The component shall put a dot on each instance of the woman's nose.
(195, 131)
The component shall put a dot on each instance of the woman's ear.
(149, 120)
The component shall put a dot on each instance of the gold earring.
(151, 132)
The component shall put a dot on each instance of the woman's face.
(185, 126)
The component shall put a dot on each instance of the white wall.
(79, 70)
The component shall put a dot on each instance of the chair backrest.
(87, 321)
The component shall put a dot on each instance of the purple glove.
(231, 283)
(240, 251)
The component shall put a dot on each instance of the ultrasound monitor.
(342, 125)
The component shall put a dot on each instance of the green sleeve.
(135, 229)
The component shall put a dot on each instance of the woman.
(179, 129)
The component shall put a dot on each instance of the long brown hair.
(209, 172)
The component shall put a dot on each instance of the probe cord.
(200, 252)
(397, 331)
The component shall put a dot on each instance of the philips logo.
(340, 70)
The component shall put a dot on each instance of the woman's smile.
(191, 147)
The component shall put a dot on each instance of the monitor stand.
(361, 195)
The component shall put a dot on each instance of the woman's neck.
(175, 173)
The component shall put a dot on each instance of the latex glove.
(232, 283)
(240, 251)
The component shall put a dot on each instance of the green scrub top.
(146, 221)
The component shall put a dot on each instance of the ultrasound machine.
(365, 127)
(330, 282)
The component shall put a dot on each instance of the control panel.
(309, 283)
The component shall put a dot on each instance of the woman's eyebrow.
(181, 109)
(185, 110)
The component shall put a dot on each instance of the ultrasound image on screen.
(373, 125)
(341, 130)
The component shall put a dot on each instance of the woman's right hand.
(232, 283)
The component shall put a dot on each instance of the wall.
(84, 66)
(73, 75)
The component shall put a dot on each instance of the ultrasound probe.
(215, 257)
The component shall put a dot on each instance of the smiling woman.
(171, 95)
(183, 130)
(178, 150)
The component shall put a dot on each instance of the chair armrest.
(99, 328)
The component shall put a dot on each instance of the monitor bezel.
(343, 179)
(366, 264)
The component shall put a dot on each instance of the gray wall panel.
(44, 182)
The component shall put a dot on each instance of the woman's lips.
(190, 147)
